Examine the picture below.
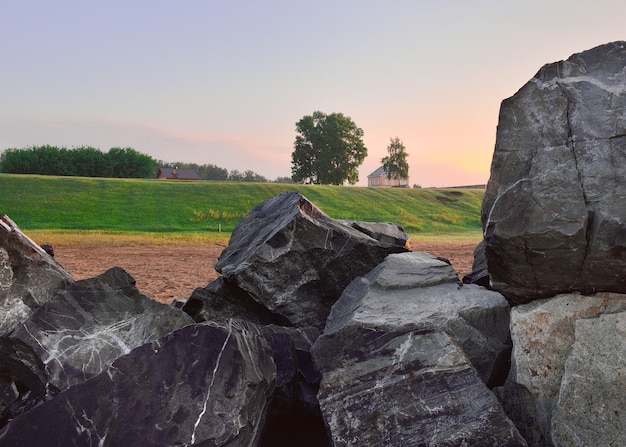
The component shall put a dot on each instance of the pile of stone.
(322, 332)
(319, 332)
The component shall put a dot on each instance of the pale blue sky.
(224, 82)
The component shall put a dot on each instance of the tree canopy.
(328, 150)
(83, 161)
(395, 164)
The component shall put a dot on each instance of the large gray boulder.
(84, 328)
(28, 276)
(553, 213)
(205, 384)
(295, 260)
(400, 354)
(416, 291)
(543, 336)
(407, 388)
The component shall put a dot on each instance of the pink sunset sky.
(224, 82)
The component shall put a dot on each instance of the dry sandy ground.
(167, 273)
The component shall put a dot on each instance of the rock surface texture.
(543, 335)
(28, 276)
(80, 331)
(294, 259)
(23, 379)
(590, 407)
(553, 215)
(205, 384)
(400, 355)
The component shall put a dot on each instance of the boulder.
(416, 291)
(399, 358)
(81, 330)
(553, 213)
(591, 402)
(295, 260)
(543, 334)
(406, 388)
(28, 276)
(205, 384)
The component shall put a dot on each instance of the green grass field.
(153, 206)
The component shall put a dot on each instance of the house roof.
(378, 172)
(178, 173)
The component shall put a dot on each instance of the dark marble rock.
(23, 379)
(221, 299)
(553, 213)
(295, 260)
(406, 388)
(416, 291)
(85, 327)
(206, 384)
(406, 355)
(28, 276)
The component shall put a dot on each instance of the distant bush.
(284, 180)
(83, 161)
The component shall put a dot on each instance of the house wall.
(384, 182)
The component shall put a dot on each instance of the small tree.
(395, 164)
(328, 150)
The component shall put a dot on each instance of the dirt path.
(167, 273)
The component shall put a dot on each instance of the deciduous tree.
(328, 150)
(395, 164)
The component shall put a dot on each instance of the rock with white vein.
(28, 276)
(407, 388)
(416, 291)
(400, 354)
(23, 379)
(85, 327)
(205, 384)
(553, 212)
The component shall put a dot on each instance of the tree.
(128, 163)
(328, 150)
(395, 164)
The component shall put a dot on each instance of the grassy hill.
(154, 206)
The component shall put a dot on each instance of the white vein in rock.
(208, 395)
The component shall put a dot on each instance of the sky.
(224, 82)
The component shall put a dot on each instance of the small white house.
(378, 179)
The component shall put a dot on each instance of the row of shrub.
(83, 161)
(86, 161)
